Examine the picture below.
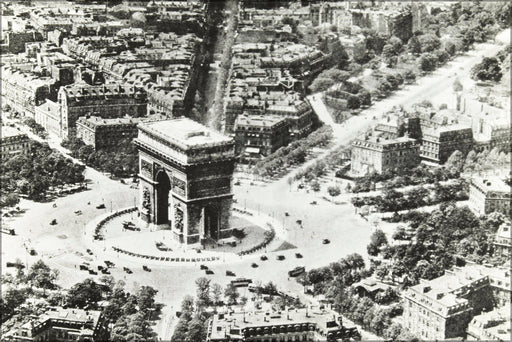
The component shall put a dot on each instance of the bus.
(241, 282)
(297, 271)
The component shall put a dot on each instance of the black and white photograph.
(255, 170)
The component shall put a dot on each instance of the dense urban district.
(262, 171)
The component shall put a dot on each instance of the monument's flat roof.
(185, 131)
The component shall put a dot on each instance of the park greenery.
(292, 155)
(335, 283)
(129, 315)
(120, 161)
(32, 175)
(439, 240)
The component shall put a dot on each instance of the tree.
(203, 291)
(487, 70)
(409, 76)
(216, 293)
(231, 293)
(9, 200)
(455, 161)
(40, 275)
(353, 102)
(315, 186)
(83, 294)
(321, 84)
(428, 62)
(429, 42)
(146, 298)
(334, 190)
(457, 86)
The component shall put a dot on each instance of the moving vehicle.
(230, 274)
(145, 268)
(100, 206)
(209, 272)
(297, 271)
(326, 241)
(263, 258)
(254, 265)
(203, 267)
(53, 222)
(280, 257)
(298, 255)
(241, 282)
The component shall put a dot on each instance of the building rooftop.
(490, 183)
(233, 323)
(259, 120)
(8, 132)
(442, 294)
(185, 132)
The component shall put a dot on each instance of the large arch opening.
(211, 222)
(162, 198)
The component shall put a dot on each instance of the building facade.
(489, 194)
(260, 135)
(186, 179)
(13, 142)
(308, 324)
(438, 144)
(106, 133)
(374, 154)
(48, 116)
(108, 101)
(441, 308)
(503, 241)
(23, 90)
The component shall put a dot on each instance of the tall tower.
(186, 172)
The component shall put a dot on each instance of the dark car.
(105, 271)
(100, 206)
(89, 251)
(109, 263)
(92, 272)
(100, 267)
(280, 257)
(263, 258)
(145, 268)
(298, 255)
(32, 252)
(209, 272)
(254, 265)
(326, 241)
(230, 274)
(127, 270)
(203, 267)
(53, 222)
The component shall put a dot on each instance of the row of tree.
(396, 178)
(293, 154)
(33, 174)
(120, 161)
(420, 196)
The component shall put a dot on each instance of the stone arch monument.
(185, 172)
